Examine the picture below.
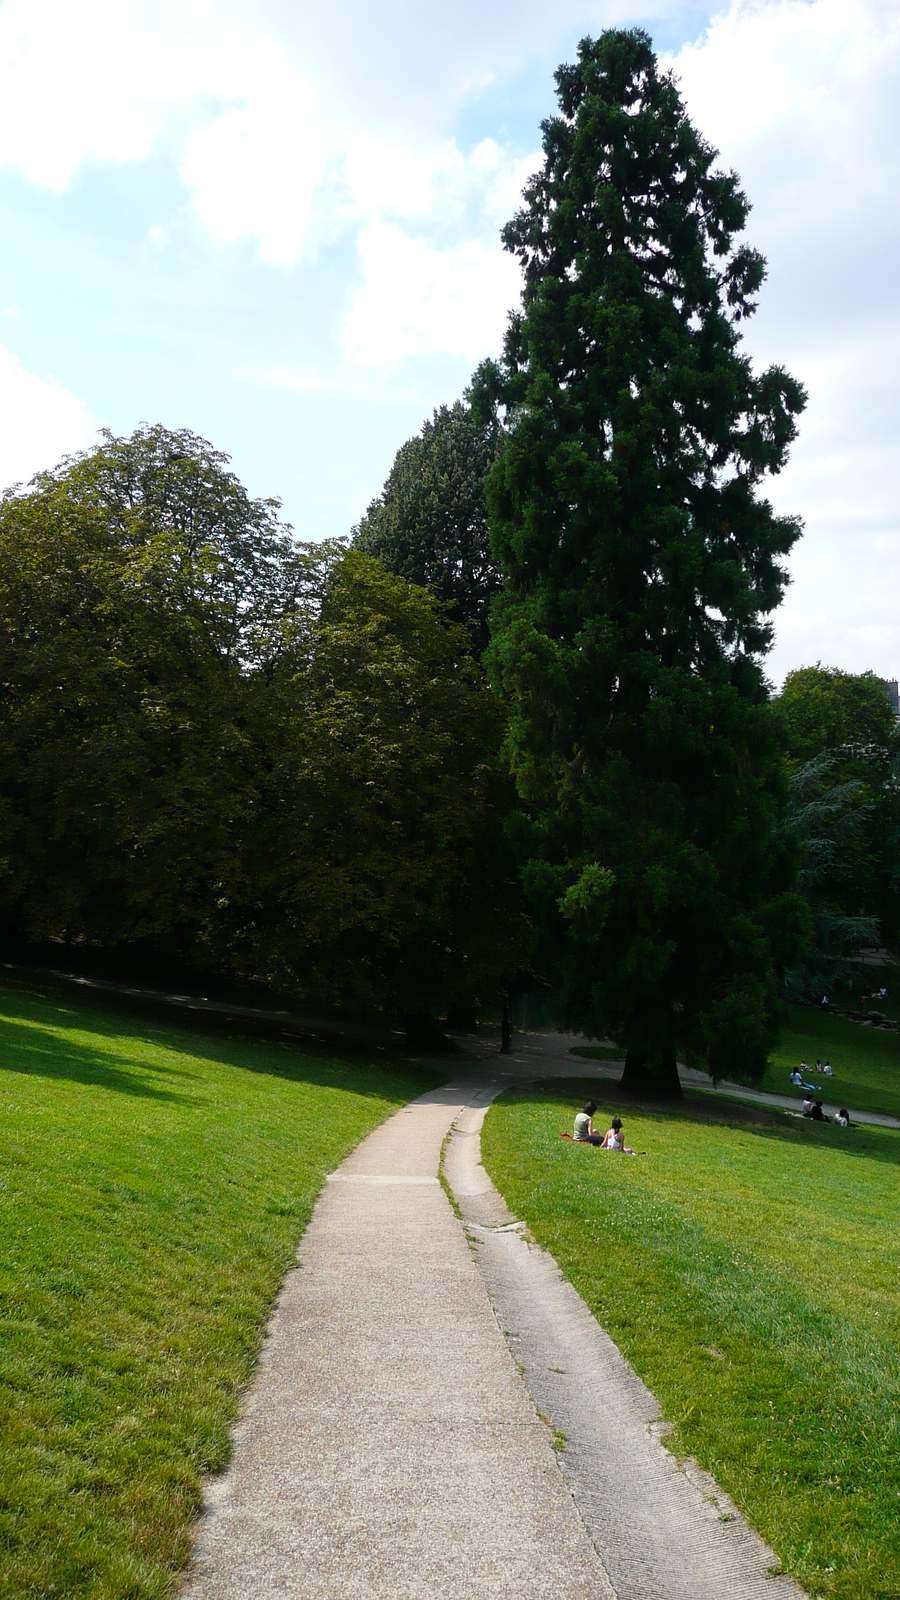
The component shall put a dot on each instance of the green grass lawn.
(748, 1268)
(866, 1061)
(153, 1185)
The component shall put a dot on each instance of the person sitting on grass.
(615, 1139)
(802, 1082)
(807, 1106)
(842, 1118)
(817, 1113)
(584, 1125)
(828, 1070)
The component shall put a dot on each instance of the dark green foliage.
(831, 820)
(429, 524)
(827, 709)
(641, 567)
(278, 761)
(844, 746)
(384, 875)
(137, 583)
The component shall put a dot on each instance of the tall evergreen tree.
(641, 566)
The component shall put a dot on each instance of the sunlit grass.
(866, 1061)
(748, 1267)
(153, 1186)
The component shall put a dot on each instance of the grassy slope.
(749, 1270)
(153, 1185)
(866, 1061)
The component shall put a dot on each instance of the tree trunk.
(636, 1080)
(644, 1079)
(668, 1081)
(505, 1029)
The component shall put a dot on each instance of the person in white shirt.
(615, 1139)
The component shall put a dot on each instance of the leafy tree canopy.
(641, 567)
(392, 884)
(137, 581)
(429, 524)
(832, 820)
(827, 709)
(279, 760)
(844, 740)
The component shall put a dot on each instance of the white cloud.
(40, 422)
(417, 299)
(802, 97)
(94, 81)
(272, 146)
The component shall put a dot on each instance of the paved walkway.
(391, 1450)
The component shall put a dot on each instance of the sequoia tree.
(641, 567)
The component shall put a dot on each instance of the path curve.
(390, 1449)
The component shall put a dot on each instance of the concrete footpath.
(390, 1446)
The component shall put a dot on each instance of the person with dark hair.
(615, 1139)
(817, 1113)
(842, 1118)
(584, 1125)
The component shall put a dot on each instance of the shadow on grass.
(35, 1051)
(260, 1045)
(872, 1143)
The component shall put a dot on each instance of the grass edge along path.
(748, 1270)
(155, 1179)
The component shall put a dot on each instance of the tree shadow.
(35, 1051)
(766, 1122)
(263, 1045)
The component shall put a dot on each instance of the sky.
(277, 224)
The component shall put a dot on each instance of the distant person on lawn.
(584, 1126)
(817, 1113)
(842, 1118)
(802, 1082)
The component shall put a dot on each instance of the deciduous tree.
(386, 879)
(139, 584)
